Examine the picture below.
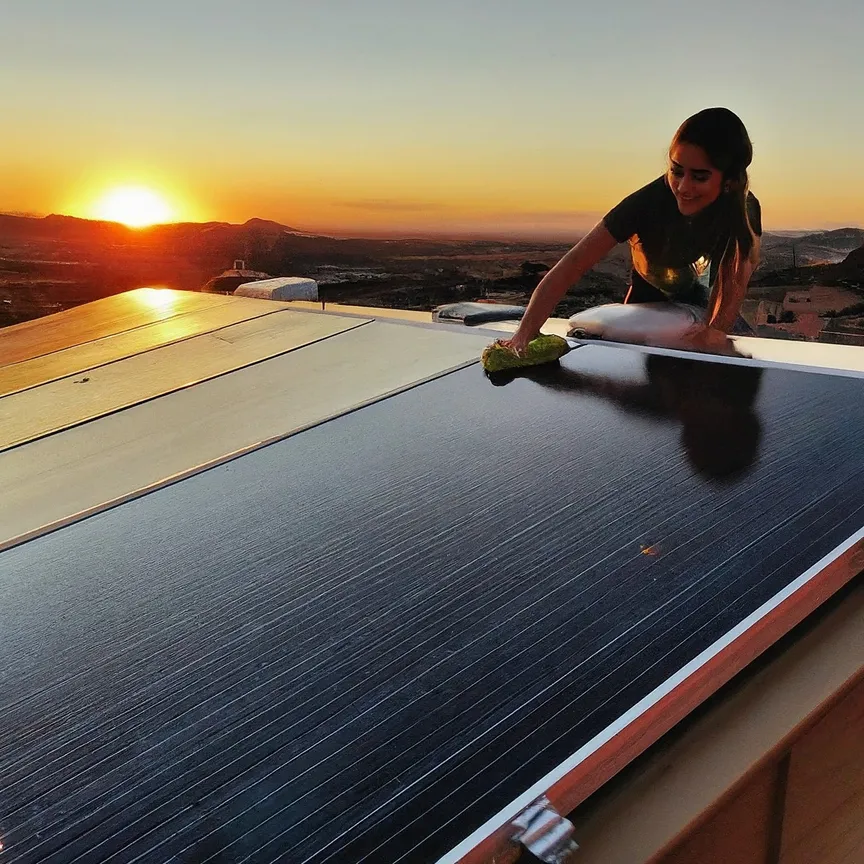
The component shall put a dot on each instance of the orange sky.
(407, 119)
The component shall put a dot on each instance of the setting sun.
(134, 206)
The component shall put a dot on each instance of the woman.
(694, 234)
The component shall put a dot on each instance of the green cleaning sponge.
(542, 349)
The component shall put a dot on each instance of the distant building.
(229, 280)
(768, 312)
(818, 299)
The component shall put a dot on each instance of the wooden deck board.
(101, 318)
(79, 358)
(825, 796)
(75, 399)
(51, 480)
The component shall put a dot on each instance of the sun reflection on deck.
(162, 299)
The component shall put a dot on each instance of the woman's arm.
(591, 249)
(731, 291)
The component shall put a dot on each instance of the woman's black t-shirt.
(674, 256)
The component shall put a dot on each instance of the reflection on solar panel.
(381, 638)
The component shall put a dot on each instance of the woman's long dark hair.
(723, 137)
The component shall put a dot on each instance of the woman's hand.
(518, 342)
(701, 337)
(708, 338)
(554, 285)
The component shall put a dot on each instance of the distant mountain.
(58, 228)
(836, 235)
(852, 266)
(840, 240)
(269, 246)
(261, 242)
(70, 227)
(780, 251)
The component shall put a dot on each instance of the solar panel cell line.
(363, 642)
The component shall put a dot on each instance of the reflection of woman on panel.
(713, 403)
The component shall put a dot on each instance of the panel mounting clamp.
(545, 833)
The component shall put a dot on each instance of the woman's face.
(694, 181)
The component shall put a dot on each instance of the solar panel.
(381, 638)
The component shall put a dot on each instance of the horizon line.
(341, 233)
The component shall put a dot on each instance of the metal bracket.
(545, 833)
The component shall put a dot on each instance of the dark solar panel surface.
(360, 643)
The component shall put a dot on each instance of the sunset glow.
(136, 207)
(439, 129)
